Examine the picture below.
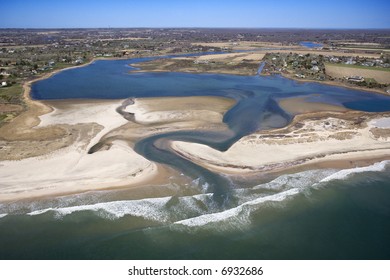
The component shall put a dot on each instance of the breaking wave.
(345, 173)
(242, 210)
(201, 210)
(163, 209)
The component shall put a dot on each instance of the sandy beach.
(309, 139)
(71, 169)
(48, 155)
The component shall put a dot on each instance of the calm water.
(316, 214)
(311, 45)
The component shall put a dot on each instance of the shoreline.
(69, 168)
(332, 83)
(114, 165)
(144, 68)
(307, 141)
(41, 116)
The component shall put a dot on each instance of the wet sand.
(300, 105)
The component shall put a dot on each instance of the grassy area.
(3, 117)
(11, 94)
(370, 80)
(62, 65)
(358, 66)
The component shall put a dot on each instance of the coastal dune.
(73, 168)
(310, 139)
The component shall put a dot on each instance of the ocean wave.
(116, 209)
(201, 210)
(286, 186)
(299, 180)
(163, 209)
(345, 173)
(240, 212)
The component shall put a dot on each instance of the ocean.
(313, 214)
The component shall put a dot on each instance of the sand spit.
(71, 169)
(81, 112)
(310, 139)
(180, 109)
(301, 105)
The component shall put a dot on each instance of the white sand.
(145, 116)
(258, 153)
(101, 112)
(72, 169)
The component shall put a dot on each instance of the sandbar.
(69, 167)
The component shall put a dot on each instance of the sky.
(200, 13)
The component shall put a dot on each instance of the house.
(334, 59)
(368, 63)
(356, 79)
(350, 61)
(315, 68)
(79, 61)
(201, 62)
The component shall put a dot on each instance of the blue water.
(311, 45)
(302, 215)
(347, 218)
(112, 79)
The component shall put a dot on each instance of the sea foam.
(242, 210)
(302, 179)
(202, 210)
(156, 209)
(345, 173)
(140, 208)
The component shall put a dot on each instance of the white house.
(355, 79)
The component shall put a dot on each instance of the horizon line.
(194, 27)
